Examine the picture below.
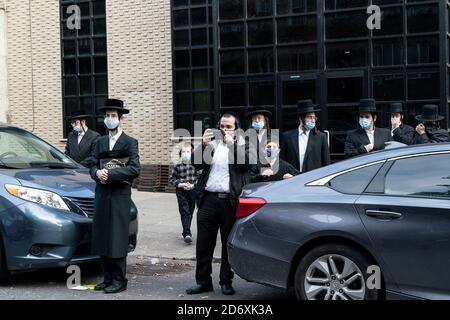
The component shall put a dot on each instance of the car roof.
(373, 157)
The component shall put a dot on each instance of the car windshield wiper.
(52, 165)
(4, 166)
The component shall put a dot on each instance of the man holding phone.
(219, 187)
(428, 130)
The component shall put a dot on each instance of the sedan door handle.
(385, 215)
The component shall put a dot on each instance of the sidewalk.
(160, 228)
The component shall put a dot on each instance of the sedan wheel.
(333, 272)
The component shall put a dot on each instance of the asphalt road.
(149, 279)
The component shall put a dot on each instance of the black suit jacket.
(404, 134)
(82, 153)
(113, 199)
(357, 140)
(281, 166)
(238, 170)
(317, 152)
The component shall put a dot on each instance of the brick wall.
(140, 72)
(34, 68)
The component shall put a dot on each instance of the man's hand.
(187, 186)
(102, 175)
(421, 129)
(395, 123)
(228, 139)
(287, 176)
(369, 147)
(267, 173)
(182, 185)
(208, 136)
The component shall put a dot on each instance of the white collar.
(117, 135)
(301, 131)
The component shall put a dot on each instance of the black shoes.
(115, 288)
(200, 289)
(102, 286)
(188, 239)
(227, 289)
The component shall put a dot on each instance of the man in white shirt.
(219, 187)
(306, 148)
(367, 138)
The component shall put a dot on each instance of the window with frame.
(84, 62)
(421, 177)
(193, 68)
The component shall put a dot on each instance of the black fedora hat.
(397, 107)
(430, 112)
(78, 115)
(367, 106)
(306, 106)
(257, 110)
(114, 104)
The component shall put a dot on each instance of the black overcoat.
(82, 153)
(113, 199)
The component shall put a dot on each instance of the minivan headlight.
(43, 197)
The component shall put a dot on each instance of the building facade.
(174, 62)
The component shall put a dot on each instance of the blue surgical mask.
(77, 129)
(112, 124)
(272, 153)
(258, 125)
(365, 123)
(186, 157)
(310, 125)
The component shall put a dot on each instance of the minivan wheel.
(334, 272)
(4, 272)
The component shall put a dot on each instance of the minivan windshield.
(20, 149)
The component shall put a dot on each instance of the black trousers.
(214, 214)
(186, 206)
(115, 270)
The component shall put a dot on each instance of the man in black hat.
(81, 141)
(306, 148)
(428, 130)
(400, 132)
(368, 137)
(116, 166)
(258, 118)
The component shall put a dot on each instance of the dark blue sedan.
(46, 206)
(372, 227)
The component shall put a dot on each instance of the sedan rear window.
(425, 176)
(356, 181)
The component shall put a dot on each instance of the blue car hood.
(65, 182)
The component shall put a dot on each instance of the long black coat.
(357, 140)
(404, 134)
(433, 135)
(317, 151)
(113, 199)
(82, 153)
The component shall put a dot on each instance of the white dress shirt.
(113, 139)
(303, 138)
(80, 136)
(219, 176)
(371, 136)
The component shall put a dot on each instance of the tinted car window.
(426, 176)
(355, 182)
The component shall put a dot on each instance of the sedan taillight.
(246, 206)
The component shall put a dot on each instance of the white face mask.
(112, 124)
(77, 129)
